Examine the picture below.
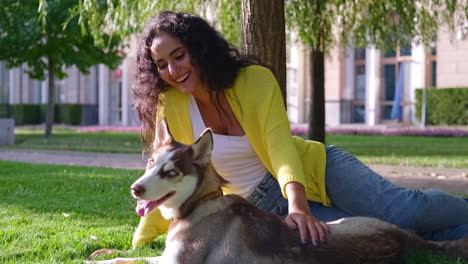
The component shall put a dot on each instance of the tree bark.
(317, 102)
(50, 99)
(263, 35)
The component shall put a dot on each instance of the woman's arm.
(300, 217)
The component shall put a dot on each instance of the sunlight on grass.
(71, 139)
(61, 214)
(446, 152)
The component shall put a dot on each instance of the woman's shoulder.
(255, 76)
(171, 94)
(256, 71)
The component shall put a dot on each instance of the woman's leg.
(267, 196)
(357, 190)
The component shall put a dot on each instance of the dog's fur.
(229, 229)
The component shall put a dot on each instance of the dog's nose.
(137, 190)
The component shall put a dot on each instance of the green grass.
(71, 139)
(61, 214)
(447, 152)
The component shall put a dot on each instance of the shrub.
(75, 114)
(30, 114)
(444, 106)
(5, 111)
(25, 113)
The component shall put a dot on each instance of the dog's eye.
(171, 173)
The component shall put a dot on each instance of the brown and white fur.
(229, 229)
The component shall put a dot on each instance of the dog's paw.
(101, 252)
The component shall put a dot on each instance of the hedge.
(29, 114)
(444, 106)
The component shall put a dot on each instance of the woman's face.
(174, 64)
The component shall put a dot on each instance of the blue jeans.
(356, 190)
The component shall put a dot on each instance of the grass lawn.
(71, 139)
(446, 152)
(61, 214)
(449, 152)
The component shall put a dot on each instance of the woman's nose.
(173, 69)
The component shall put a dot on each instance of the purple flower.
(302, 130)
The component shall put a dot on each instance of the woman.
(187, 73)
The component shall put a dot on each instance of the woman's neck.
(202, 97)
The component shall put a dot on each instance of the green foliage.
(364, 22)
(29, 114)
(25, 113)
(444, 106)
(5, 111)
(122, 17)
(228, 20)
(320, 23)
(37, 31)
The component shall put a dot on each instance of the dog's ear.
(202, 147)
(162, 135)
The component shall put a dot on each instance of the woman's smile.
(183, 78)
(174, 64)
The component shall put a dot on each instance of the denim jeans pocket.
(267, 196)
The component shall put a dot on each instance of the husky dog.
(211, 228)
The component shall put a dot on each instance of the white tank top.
(233, 157)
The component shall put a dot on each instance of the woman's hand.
(299, 217)
(310, 228)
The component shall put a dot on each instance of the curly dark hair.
(217, 61)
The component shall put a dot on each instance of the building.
(361, 85)
(370, 86)
(105, 94)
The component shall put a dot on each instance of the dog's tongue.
(145, 207)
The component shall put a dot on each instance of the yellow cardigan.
(257, 103)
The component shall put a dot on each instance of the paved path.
(447, 179)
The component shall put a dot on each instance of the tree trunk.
(263, 35)
(50, 99)
(317, 102)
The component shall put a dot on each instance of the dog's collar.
(211, 195)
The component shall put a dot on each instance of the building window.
(115, 96)
(4, 83)
(360, 54)
(389, 53)
(60, 96)
(360, 82)
(405, 50)
(389, 81)
(431, 68)
(359, 113)
(291, 78)
(358, 103)
(389, 86)
(392, 60)
(434, 74)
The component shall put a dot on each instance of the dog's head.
(173, 172)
